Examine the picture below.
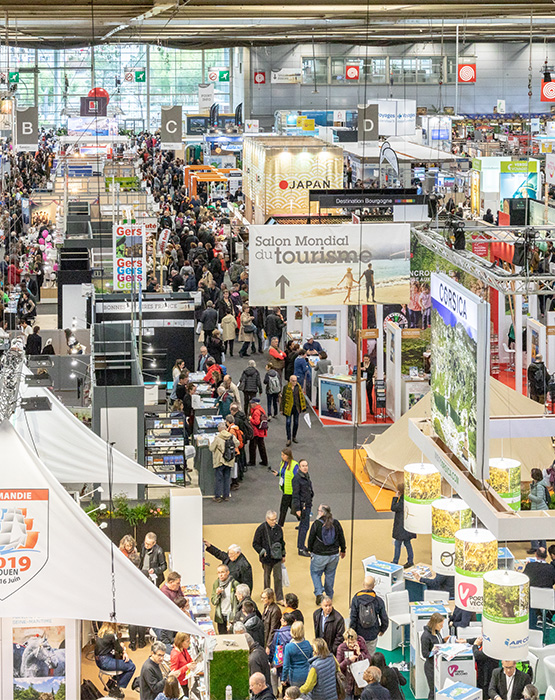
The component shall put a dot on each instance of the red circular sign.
(99, 92)
(284, 184)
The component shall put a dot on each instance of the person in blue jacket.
(296, 657)
(301, 369)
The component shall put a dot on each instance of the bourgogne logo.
(305, 184)
(23, 537)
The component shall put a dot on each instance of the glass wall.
(139, 78)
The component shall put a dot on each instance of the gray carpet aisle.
(331, 477)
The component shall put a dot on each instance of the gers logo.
(304, 184)
(23, 537)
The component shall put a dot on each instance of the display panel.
(460, 366)
(338, 400)
(95, 126)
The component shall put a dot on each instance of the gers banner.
(129, 257)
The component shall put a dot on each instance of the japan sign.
(466, 72)
(23, 537)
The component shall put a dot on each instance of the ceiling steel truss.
(507, 281)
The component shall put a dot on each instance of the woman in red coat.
(180, 659)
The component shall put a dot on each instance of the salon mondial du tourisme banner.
(325, 265)
(460, 370)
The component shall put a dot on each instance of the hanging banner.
(476, 552)
(460, 399)
(388, 155)
(171, 131)
(550, 168)
(322, 265)
(505, 618)
(27, 129)
(393, 382)
(205, 97)
(129, 257)
(368, 122)
(449, 515)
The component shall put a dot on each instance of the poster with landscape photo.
(460, 367)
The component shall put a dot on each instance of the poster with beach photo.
(324, 265)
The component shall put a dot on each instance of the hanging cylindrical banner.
(422, 487)
(476, 552)
(504, 479)
(449, 515)
(505, 618)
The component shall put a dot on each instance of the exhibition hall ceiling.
(205, 23)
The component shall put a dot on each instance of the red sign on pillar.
(259, 77)
(467, 72)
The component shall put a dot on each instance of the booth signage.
(107, 307)
(171, 131)
(323, 265)
(205, 97)
(518, 166)
(353, 199)
(286, 76)
(129, 257)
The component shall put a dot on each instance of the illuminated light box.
(505, 617)
(476, 552)
(449, 515)
(422, 488)
(504, 479)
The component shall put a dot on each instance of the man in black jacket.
(329, 624)
(258, 659)
(237, 563)
(274, 324)
(209, 320)
(268, 542)
(253, 624)
(368, 615)
(260, 690)
(301, 504)
(541, 575)
(506, 678)
(151, 680)
(153, 560)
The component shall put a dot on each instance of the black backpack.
(229, 449)
(367, 615)
(89, 691)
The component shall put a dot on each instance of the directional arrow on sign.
(282, 281)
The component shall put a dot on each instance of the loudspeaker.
(519, 255)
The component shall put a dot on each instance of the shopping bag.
(307, 420)
(199, 327)
(284, 576)
(234, 471)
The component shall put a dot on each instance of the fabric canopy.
(392, 449)
(73, 452)
(55, 562)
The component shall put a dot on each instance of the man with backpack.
(223, 449)
(326, 544)
(538, 379)
(368, 615)
(245, 427)
(259, 423)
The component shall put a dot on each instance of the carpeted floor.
(332, 479)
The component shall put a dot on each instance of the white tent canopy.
(73, 452)
(55, 561)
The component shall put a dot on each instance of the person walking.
(276, 357)
(400, 535)
(301, 369)
(229, 328)
(246, 331)
(274, 324)
(326, 544)
(250, 383)
(293, 403)
(287, 469)
(296, 657)
(368, 615)
(301, 504)
(269, 544)
(223, 448)
(272, 382)
(351, 650)
(209, 320)
(259, 422)
(538, 379)
(540, 498)
(321, 683)
(329, 624)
